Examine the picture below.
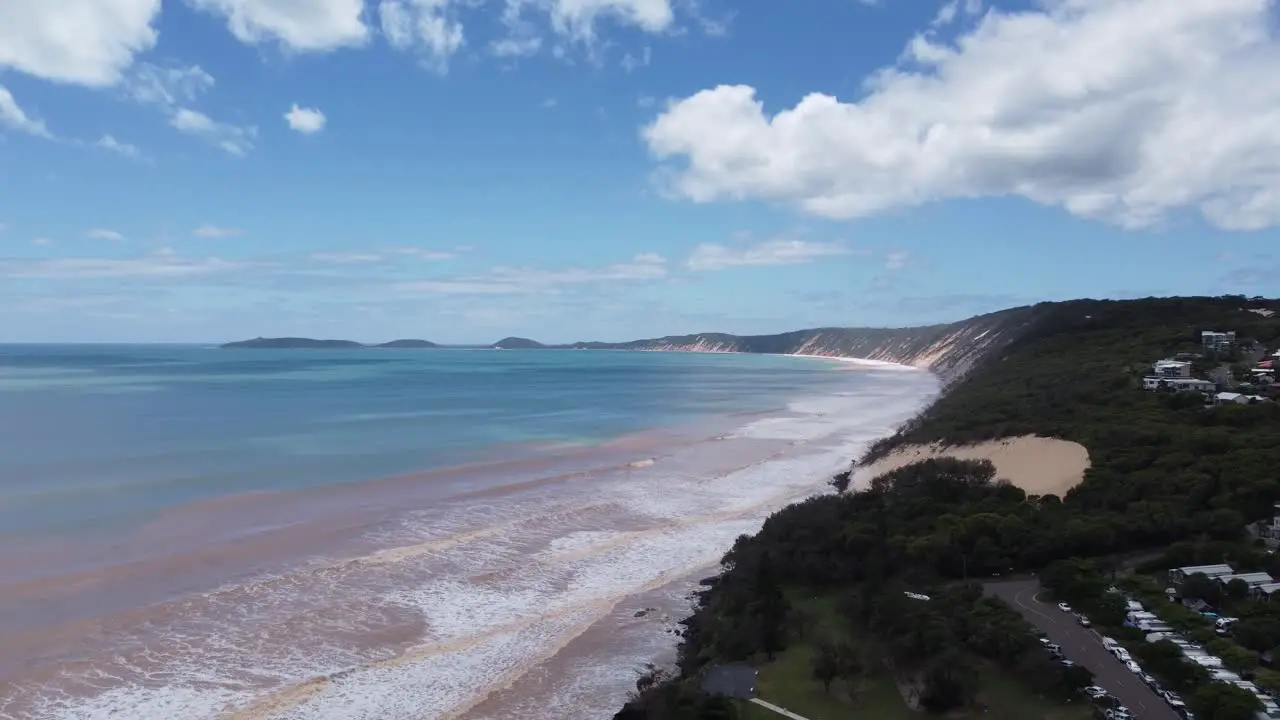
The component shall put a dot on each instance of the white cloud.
(646, 101)
(577, 19)
(213, 231)
(305, 120)
(41, 241)
(550, 103)
(298, 25)
(87, 42)
(524, 280)
(234, 139)
(427, 254)
(104, 234)
(167, 86)
(13, 116)
(897, 259)
(633, 62)
(516, 46)
(424, 27)
(711, 256)
(157, 265)
(345, 258)
(108, 142)
(1122, 110)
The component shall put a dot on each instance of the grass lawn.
(788, 682)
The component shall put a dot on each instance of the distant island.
(291, 343)
(300, 343)
(518, 343)
(407, 344)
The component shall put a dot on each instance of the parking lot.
(1082, 646)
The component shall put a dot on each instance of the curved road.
(1082, 647)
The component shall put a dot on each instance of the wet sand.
(506, 589)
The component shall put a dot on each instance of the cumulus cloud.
(305, 120)
(1120, 110)
(87, 42)
(213, 231)
(14, 117)
(711, 256)
(234, 139)
(578, 21)
(298, 25)
(425, 27)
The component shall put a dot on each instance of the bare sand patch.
(1038, 465)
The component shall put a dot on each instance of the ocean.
(189, 532)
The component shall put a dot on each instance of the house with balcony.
(1171, 369)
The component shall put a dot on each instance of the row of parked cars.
(1109, 707)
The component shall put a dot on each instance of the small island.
(407, 344)
(291, 343)
(518, 343)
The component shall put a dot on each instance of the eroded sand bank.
(1038, 465)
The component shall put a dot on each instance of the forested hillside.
(1165, 468)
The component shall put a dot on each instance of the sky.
(464, 170)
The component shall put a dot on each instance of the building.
(1178, 575)
(1171, 369)
(1265, 592)
(1178, 384)
(1253, 579)
(1215, 340)
(1224, 398)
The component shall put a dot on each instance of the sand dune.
(1039, 465)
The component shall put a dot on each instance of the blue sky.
(462, 170)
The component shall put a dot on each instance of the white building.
(1178, 575)
(1253, 579)
(1171, 368)
(1215, 340)
(1179, 384)
(1224, 398)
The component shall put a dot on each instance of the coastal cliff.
(950, 350)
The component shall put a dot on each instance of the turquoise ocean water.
(108, 434)
(191, 533)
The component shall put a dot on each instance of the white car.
(1064, 607)
(1121, 654)
(1133, 667)
(1095, 692)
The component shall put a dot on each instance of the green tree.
(826, 664)
(1201, 587)
(1223, 701)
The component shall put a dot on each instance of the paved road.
(1082, 647)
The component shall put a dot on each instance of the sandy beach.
(1038, 465)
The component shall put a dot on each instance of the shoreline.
(603, 531)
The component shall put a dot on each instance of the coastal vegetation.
(1166, 471)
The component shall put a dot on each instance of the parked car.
(1121, 654)
(1084, 621)
(1064, 607)
(1133, 667)
(1095, 692)
(1148, 680)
